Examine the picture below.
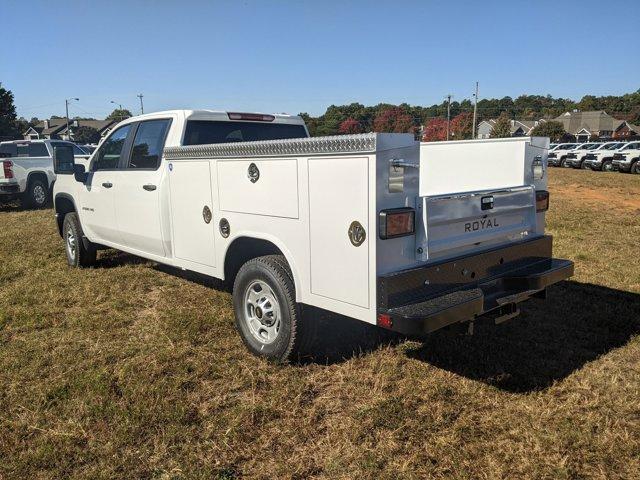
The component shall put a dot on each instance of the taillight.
(542, 201)
(6, 166)
(385, 321)
(254, 117)
(397, 222)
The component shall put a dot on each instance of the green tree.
(502, 127)
(552, 129)
(86, 134)
(119, 114)
(8, 118)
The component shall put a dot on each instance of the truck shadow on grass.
(578, 323)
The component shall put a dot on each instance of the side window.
(38, 150)
(9, 149)
(108, 157)
(148, 144)
(77, 150)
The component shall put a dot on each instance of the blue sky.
(293, 56)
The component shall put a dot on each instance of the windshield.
(587, 146)
(614, 146)
(568, 146)
(199, 132)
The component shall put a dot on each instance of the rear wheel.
(268, 318)
(607, 166)
(78, 254)
(37, 193)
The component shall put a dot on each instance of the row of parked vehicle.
(27, 169)
(606, 157)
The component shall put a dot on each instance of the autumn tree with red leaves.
(462, 126)
(435, 130)
(350, 125)
(393, 120)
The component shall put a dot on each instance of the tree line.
(430, 121)
(357, 118)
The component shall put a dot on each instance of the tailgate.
(455, 224)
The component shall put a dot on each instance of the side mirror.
(63, 159)
(79, 173)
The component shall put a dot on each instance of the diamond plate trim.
(337, 144)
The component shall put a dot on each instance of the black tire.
(281, 336)
(607, 166)
(583, 166)
(635, 167)
(37, 193)
(79, 255)
(563, 163)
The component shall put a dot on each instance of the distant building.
(584, 125)
(627, 131)
(519, 128)
(56, 128)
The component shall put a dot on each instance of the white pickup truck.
(27, 169)
(378, 227)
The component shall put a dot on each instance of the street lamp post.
(66, 107)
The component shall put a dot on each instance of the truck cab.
(376, 227)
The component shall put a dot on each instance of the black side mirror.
(63, 159)
(79, 173)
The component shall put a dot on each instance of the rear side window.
(38, 150)
(9, 149)
(148, 144)
(200, 132)
(108, 157)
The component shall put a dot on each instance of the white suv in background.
(602, 158)
(627, 159)
(576, 156)
(557, 157)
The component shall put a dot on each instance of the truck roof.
(221, 115)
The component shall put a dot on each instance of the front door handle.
(149, 187)
(107, 184)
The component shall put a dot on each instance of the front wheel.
(78, 254)
(269, 320)
(607, 166)
(563, 163)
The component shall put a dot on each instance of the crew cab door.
(97, 195)
(137, 202)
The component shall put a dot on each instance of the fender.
(278, 243)
(59, 220)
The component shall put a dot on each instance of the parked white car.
(576, 156)
(602, 158)
(627, 159)
(558, 156)
(377, 227)
(27, 169)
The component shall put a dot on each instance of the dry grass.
(126, 371)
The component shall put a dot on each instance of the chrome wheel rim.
(262, 312)
(607, 167)
(72, 246)
(39, 195)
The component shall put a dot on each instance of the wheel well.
(244, 249)
(63, 205)
(39, 175)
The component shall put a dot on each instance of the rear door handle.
(107, 184)
(149, 187)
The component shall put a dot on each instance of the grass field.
(130, 371)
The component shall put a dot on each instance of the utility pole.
(66, 108)
(448, 97)
(475, 112)
(141, 105)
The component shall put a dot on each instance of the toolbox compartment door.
(338, 196)
(190, 192)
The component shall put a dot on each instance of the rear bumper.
(9, 189)
(425, 299)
